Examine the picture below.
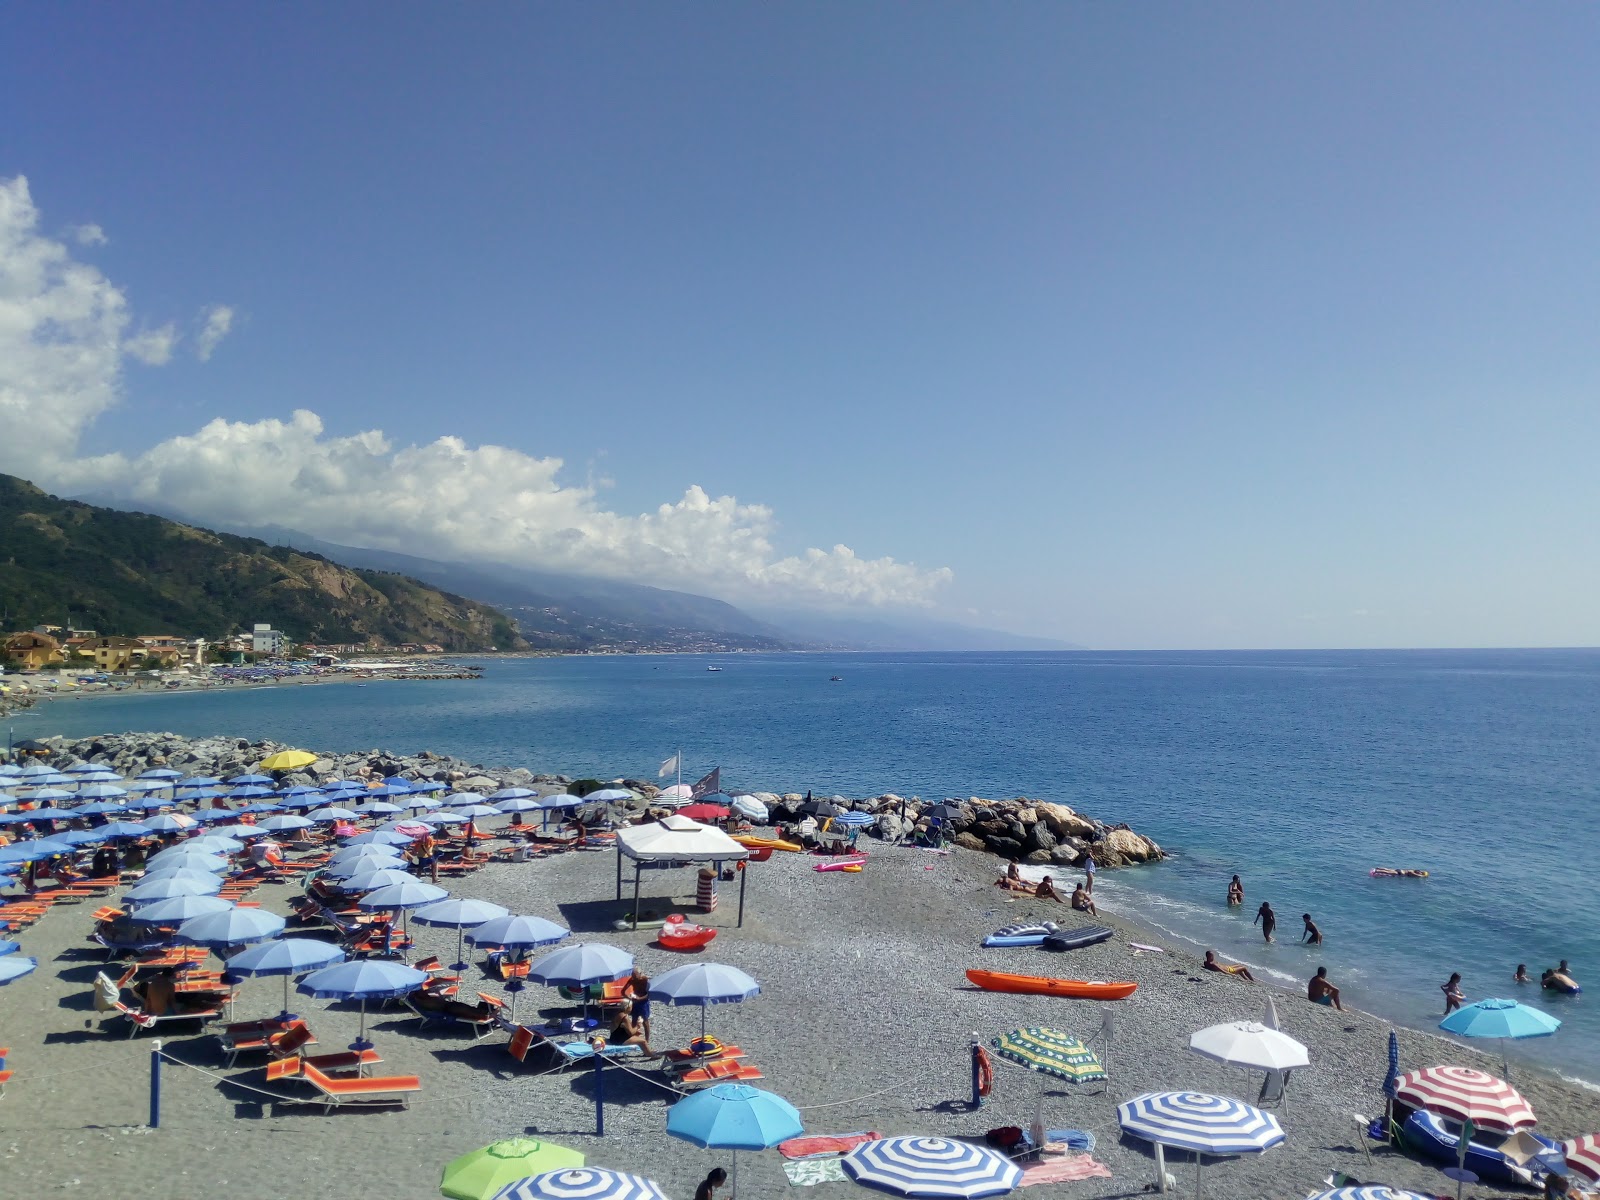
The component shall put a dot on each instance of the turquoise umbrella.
(734, 1116)
(1502, 1019)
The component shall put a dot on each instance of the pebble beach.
(864, 1021)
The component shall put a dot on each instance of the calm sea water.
(1299, 771)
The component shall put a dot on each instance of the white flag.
(668, 767)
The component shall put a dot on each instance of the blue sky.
(1156, 326)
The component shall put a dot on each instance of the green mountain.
(132, 573)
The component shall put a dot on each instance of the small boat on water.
(713, 668)
(835, 678)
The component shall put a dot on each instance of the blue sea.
(1299, 771)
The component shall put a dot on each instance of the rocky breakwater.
(1032, 831)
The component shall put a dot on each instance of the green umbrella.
(482, 1173)
(1051, 1052)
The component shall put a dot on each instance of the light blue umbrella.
(200, 781)
(515, 805)
(117, 830)
(580, 965)
(77, 768)
(421, 803)
(734, 1116)
(469, 812)
(605, 795)
(178, 910)
(703, 984)
(853, 818)
(365, 851)
(51, 793)
(189, 884)
(13, 967)
(287, 957)
(299, 789)
(152, 803)
(377, 808)
(430, 785)
(562, 801)
(188, 856)
(513, 793)
(928, 1166)
(99, 808)
(515, 933)
(35, 851)
(333, 813)
(363, 979)
(170, 871)
(9, 948)
(305, 802)
(35, 769)
(101, 791)
(1369, 1193)
(249, 792)
(142, 785)
(284, 823)
(14, 818)
(261, 807)
(233, 927)
(582, 1183)
(246, 780)
(459, 913)
(82, 837)
(1201, 1123)
(1502, 1019)
(378, 875)
(413, 893)
(160, 773)
(49, 813)
(351, 867)
(196, 794)
(170, 823)
(379, 837)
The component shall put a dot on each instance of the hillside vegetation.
(132, 573)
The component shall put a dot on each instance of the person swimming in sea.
(1454, 997)
(1522, 975)
(1235, 892)
(1313, 935)
(1267, 919)
(1212, 963)
(1320, 991)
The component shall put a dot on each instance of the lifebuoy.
(985, 1070)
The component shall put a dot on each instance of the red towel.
(818, 1147)
(1061, 1170)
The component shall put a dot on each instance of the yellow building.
(115, 653)
(170, 650)
(31, 651)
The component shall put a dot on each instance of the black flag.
(711, 783)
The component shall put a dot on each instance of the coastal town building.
(114, 653)
(264, 639)
(170, 651)
(32, 651)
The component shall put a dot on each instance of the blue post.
(155, 1085)
(599, 1094)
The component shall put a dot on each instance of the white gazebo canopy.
(676, 839)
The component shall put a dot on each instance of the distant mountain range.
(560, 611)
(134, 573)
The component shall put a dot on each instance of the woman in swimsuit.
(1235, 892)
(625, 1031)
(1239, 969)
(1453, 996)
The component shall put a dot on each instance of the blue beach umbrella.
(351, 867)
(152, 803)
(1506, 1020)
(14, 818)
(99, 808)
(160, 773)
(77, 768)
(284, 823)
(35, 851)
(379, 837)
(249, 792)
(929, 1166)
(855, 819)
(170, 823)
(703, 984)
(49, 813)
(413, 893)
(82, 837)
(515, 805)
(194, 794)
(1369, 1193)
(363, 979)
(188, 856)
(261, 807)
(199, 781)
(376, 873)
(609, 794)
(188, 884)
(364, 851)
(429, 785)
(118, 830)
(326, 816)
(516, 933)
(287, 957)
(582, 1183)
(304, 802)
(246, 780)
(460, 913)
(580, 965)
(299, 789)
(734, 1116)
(377, 808)
(471, 812)
(13, 967)
(178, 910)
(421, 803)
(233, 927)
(562, 800)
(1201, 1123)
(168, 871)
(9, 948)
(144, 785)
(52, 793)
(513, 793)
(102, 791)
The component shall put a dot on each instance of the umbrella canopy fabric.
(927, 1166)
(734, 1116)
(287, 760)
(234, 927)
(482, 1174)
(608, 794)
(561, 801)
(1583, 1155)
(581, 965)
(459, 913)
(515, 932)
(468, 812)
(244, 780)
(703, 983)
(379, 837)
(178, 910)
(513, 793)
(703, 812)
(105, 791)
(1500, 1019)
(115, 830)
(854, 818)
(1199, 1122)
(583, 1183)
(351, 867)
(1377, 1192)
(170, 823)
(284, 823)
(325, 816)
(362, 979)
(411, 894)
(1464, 1094)
(518, 804)
(1051, 1052)
(1250, 1044)
(14, 966)
(290, 956)
(187, 856)
(176, 871)
(189, 884)
(378, 876)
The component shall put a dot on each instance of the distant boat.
(835, 678)
(713, 668)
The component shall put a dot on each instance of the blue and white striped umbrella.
(854, 818)
(929, 1166)
(1199, 1122)
(582, 1183)
(1369, 1193)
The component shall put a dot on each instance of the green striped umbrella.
(1051, 1052)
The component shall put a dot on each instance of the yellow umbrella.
(287, 760)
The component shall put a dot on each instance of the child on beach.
(1453, 995)
(1313, 935)
(709, 1185)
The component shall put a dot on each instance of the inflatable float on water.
(1433, 1137)
(1021, 935)
(1397, 873)
(1035, 985)
(1557, 982)
(1077, 939)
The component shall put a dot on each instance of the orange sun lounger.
(384, 1091)
(721, 1072)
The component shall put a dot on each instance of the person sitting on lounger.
(639, 995)
(1320, 991)
(1213, 964)
(1047, 891)
(1083, 902)
(627, 1031)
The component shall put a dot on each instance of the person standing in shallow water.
(1313, 935)
(1267, 919)
(1235, 892)
(1453, 996)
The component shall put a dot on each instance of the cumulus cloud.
(215, 323)
(88, 235)
(64, 337)
(153, 347)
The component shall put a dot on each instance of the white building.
(264, 639)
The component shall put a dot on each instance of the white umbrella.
(1250, 1044)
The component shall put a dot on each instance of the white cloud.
(64, 338)
(217, 320)
(153, 347)
(89, 235)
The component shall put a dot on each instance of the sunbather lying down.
(428, 1003)
(1012, 880)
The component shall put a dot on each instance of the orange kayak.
(1034, 985)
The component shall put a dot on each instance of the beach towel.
(1063, 1170)
(811, 1171)
(823, 1145)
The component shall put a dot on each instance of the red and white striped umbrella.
(1584, 1155)
(1463, 1093)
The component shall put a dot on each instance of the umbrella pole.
(734, 1190)
(1197, 1176)
(460, 963)
(1161, 1168)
